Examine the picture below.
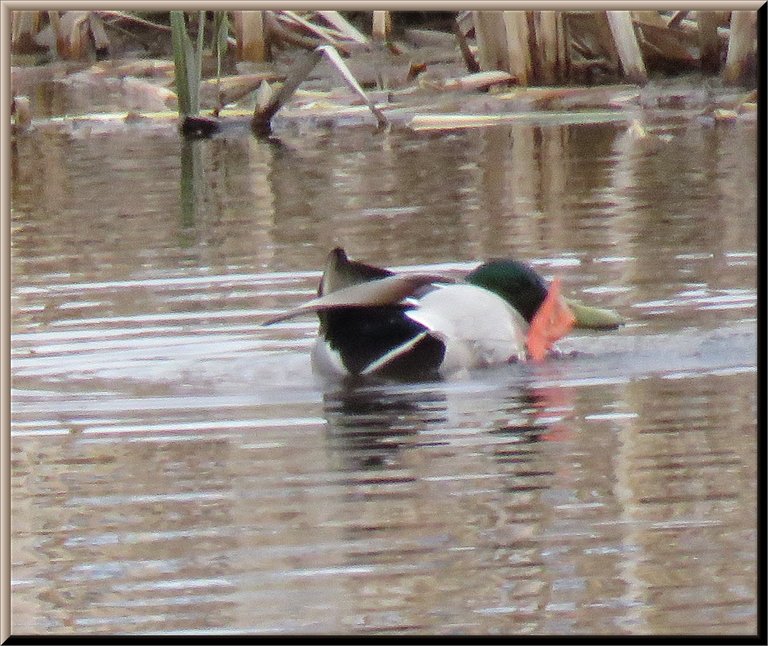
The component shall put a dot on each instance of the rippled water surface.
(177, 468)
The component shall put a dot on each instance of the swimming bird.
(375, 322)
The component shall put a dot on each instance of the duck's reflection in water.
(444, 488)
(369, 426)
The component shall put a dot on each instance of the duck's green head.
(526, 291)
(514, 281)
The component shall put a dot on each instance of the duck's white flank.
(478, 327)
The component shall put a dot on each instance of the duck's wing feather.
(385, 291)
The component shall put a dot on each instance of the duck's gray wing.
(385, 291)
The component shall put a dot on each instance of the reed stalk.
(709, 43)
(627, 46)
(187, 60)
(220, 34)
(740, 47)
(251, 34)
(382, 26)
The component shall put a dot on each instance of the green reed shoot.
(187, 60)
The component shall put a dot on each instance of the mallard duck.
(420, 325)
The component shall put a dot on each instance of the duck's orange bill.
(552, 321)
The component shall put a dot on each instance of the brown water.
(177, 468)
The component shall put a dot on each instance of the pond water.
(175, 467)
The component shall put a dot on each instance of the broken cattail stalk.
(219, 92)
(279, 32)
(709, 43)
(478, 81)
(250, 32)
(459, 121)
(122, 16)
(61, 41)
(740, 47)
(99, 34)
(338, 22)
(466, 53)
(517, 44)
(503, 43)
(627, 46)
(490, 33)
(78, 33)
(267, 107)
(263, 114)
(187, 63)
(551, 54)
(382, 26)
(677, 19)
(319, 32)
(663, 46)
(21, 111)
(563, 51)
(594, 23)
(25, 25)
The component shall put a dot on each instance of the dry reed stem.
(24, 26)
(382, 26)
(269, 106)
(291, 17)
(338, 22)
(251, 36)
(77, 42)
(21, 111)
(548, 37)
(627, 46)
(279, 32)
(466, 53)
(740, 46)
(459, 121)
(667, 45)
(518, 51)
(709, 43)
(491, 39)
(563, 51)
(100, 39)
(126, 17)
(476, 81)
